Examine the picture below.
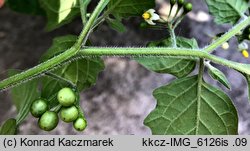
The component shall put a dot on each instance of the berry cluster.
(67, 109)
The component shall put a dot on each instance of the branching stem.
(172, 35)
(83, 8)
(76, 50)
(51, 63)
(235, 30)
(175, 52)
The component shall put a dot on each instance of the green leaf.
(218, 76)
(60, 12)
(128, 8)
(116, 25)
(22, 96)
(227, 11)
(9, 127)
(181, 110)
(83, 72)
(26, 6)
(59, 45)
(175, 66)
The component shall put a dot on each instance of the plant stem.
(98, 22)
(178, 21)
(161, 52)
(172, 35)
(51, 63)
(87, 29)
(200, 78)
(83, 8)
(137, 52)
(236, 29)
(80, 111)
(56, 108)
(176, 13)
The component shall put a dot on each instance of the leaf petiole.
(54, 76)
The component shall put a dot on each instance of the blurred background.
(122, 97)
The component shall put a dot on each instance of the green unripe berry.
(48, 121)
(38, 107)
(188, 7)
(180, 2)
(80, 124)
(69, 114)
(66, 97)
(172, 2)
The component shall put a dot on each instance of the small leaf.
(26, 6)
(175, 66)
(83, 72)
(9, 127)
(128, 8)
(116, 25)
(22, 96)
(218, 76)
(227, 11)
(60, 12)
(181, 110)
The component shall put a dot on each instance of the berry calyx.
(38, 107)
(80, 124)
(69, 114)
(48, 121)
(66, 97)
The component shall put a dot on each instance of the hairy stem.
(172, 35)
(50, 64)
(43, 67)
(83, 36)
(83, 8)
(56, 108)
(236, 29)
(176, 52)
